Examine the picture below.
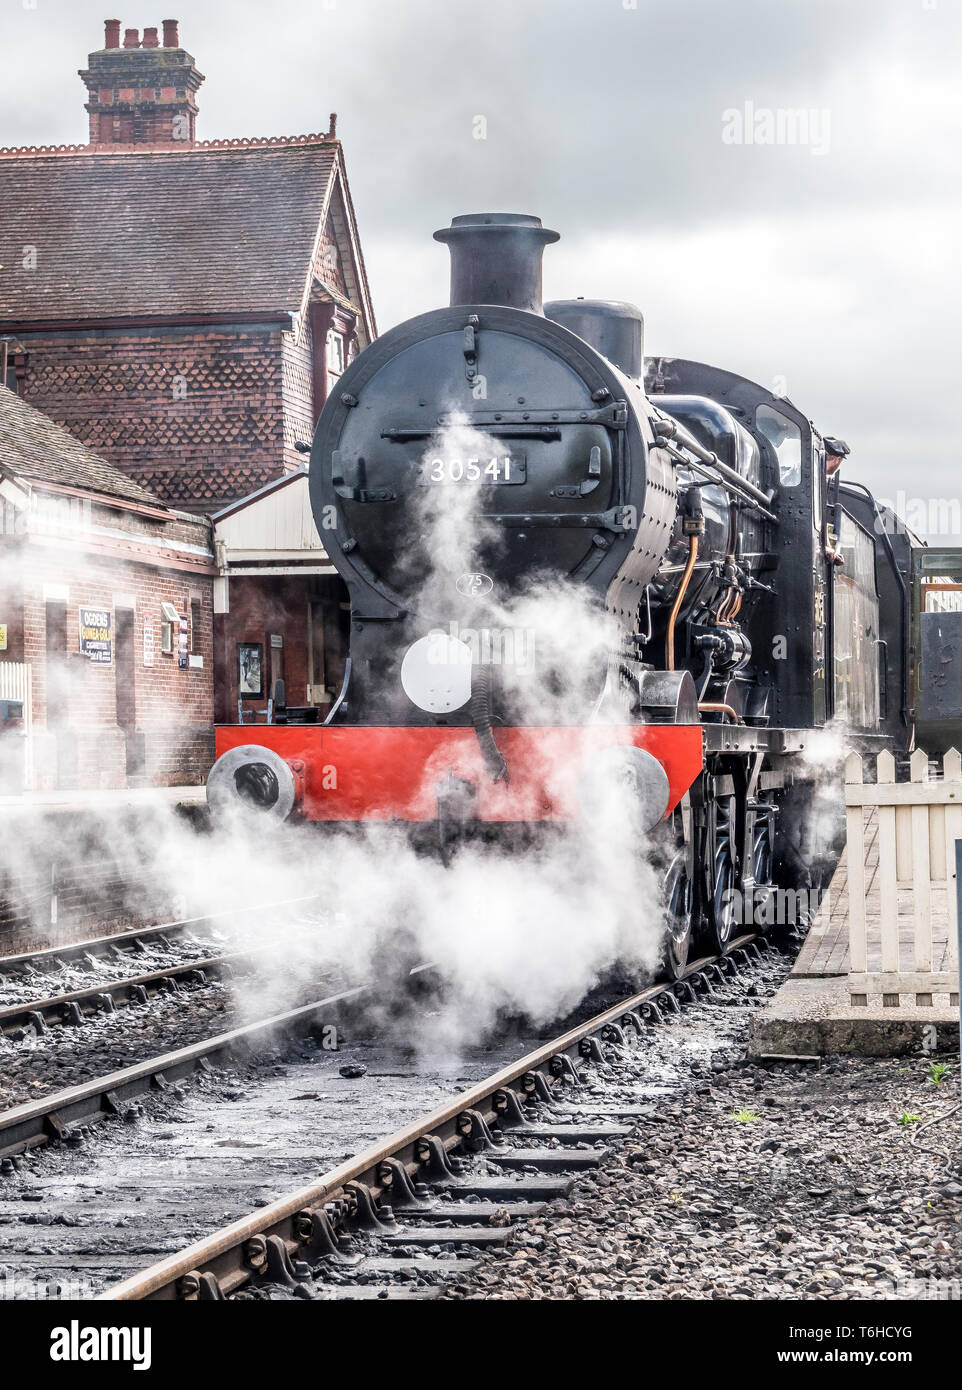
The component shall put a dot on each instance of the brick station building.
(106, 619)
(183, 307)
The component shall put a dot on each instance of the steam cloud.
(512, 933)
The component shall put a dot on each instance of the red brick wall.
(173, 707)
(150, 124)
(201, 417)
(71, 877)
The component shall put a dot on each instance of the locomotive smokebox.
(496, 259)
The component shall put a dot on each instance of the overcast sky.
(833, 264)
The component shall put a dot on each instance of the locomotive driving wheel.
(763, 869)
(678, 899)
(723, 913)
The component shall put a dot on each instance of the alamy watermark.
(761, 906)
(17, 1288)
(44, 514)
(928, 516)
(74, 1342)
(489, 646)
(810, 127)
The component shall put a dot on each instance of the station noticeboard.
(96, 641)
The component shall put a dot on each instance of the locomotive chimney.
(496, 259)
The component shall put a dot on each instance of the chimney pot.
(156, 107)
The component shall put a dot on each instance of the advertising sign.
(95, 635)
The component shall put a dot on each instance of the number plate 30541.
(497, 468)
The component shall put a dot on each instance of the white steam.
(511, 932)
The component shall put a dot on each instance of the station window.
(941, 593)
(168, 627)
(335, 353)
(785, 438)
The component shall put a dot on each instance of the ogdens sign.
(95, 638)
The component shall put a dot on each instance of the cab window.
(785, 438)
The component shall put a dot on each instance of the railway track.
(408, 1215)
(36, 1016)
(94, 952)
(67, 1114)
(166, 948)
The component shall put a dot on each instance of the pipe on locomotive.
(679, 599)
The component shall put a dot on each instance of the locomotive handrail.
(543, 423)
(614, 519)
(508, 431)
(614, 415)
(704, 470)
(671, 429)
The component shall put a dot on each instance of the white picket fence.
(15, 684)
(903, 928)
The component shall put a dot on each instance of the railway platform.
(812, 1015)
(89, 861)
(108, 799)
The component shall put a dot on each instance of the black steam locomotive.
(498, 447)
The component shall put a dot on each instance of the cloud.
(834, 269)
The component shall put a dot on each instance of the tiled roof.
(223, 228)
(219, 485)
(32, 446)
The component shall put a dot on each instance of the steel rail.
(52, 957)
(51, 1117)
(80, 1004)
(223, 1262)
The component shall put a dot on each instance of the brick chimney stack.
(143, 93)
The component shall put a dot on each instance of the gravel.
(738, 1181)
(778, 1181)
(66, 1056)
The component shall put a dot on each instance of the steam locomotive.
(501, 447)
